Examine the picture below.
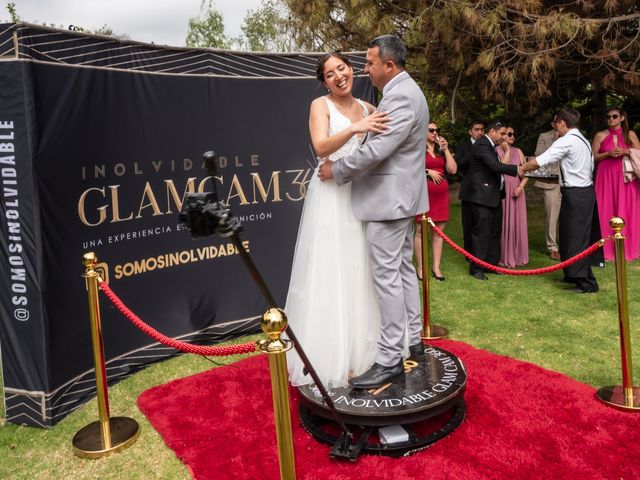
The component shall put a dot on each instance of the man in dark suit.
(462, 157)
(481, 192)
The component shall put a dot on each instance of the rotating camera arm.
(204, 214)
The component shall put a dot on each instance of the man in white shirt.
(573, 153)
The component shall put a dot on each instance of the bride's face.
(338, 76)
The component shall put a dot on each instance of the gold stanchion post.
(429, 331)
(107, 435)
(625, 397)
(274, 322)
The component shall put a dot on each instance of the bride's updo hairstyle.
(323, 59)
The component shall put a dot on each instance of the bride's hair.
(323, 59)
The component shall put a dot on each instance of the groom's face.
(376, 68)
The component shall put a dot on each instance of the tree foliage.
(207, 29)
(267, 29)
(13, 13)
(104, 30)
(524, 54)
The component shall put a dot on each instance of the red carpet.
(522, 422)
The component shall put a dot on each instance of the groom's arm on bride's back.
(378, 147)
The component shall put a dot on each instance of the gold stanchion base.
(87, 442)
(435, 332)
(615, 397)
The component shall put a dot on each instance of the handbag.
(631, 165)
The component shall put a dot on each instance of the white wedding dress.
(331, 303)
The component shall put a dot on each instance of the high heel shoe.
(440, 279)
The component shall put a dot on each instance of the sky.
(157, 21)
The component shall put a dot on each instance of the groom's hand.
(324, 170)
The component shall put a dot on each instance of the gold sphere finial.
(617, 224)
(89, 259)
(273, 323)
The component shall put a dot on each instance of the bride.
(331, 304)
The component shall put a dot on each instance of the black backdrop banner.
(99, 141)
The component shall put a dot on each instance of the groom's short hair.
(391, 48)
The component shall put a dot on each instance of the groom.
(388, 189)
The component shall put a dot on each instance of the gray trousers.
(394, 276)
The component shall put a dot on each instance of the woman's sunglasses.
(511, 134)
(614, 116)
(434, 130)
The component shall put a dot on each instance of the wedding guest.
(615, 197)
(481, 191)
(438, 160)
(463, 159)
(514, 244)
(550, 193)
(573, 153)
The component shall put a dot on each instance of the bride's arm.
(325, 145)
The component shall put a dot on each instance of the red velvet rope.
(537, 271)
(171, 342)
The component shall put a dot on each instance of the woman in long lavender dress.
(615, 197)
(514, 245)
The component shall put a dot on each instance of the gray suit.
(388, 190)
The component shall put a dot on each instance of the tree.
(104, 30)
(207, 29)
(267, 29)
(528, 55)
(13, 13)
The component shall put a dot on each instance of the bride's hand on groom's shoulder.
(324, 169)
(376, 122)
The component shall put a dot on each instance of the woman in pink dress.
(615, 197)
(438, 161)
(514, 244)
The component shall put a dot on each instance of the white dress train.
(331, 304)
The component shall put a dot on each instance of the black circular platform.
(427, 402)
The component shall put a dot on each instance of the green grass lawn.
(530, 318)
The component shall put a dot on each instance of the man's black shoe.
(479, 276)
(377, 376)
(416, 352)
(582, 290)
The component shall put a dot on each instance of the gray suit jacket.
(387, 171)
(545, 140)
